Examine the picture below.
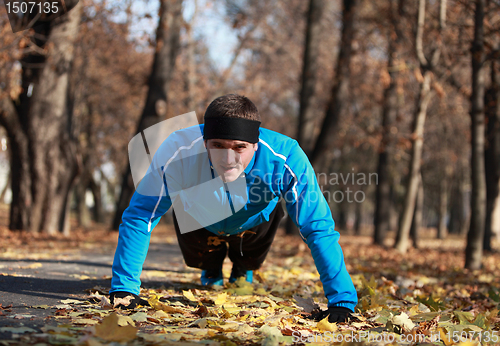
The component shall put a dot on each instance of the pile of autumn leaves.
(274, 310)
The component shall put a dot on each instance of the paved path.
(25, 283)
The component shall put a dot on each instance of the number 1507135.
(23, 7)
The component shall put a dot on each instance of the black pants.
(248, 250)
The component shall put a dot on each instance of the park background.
(403, 91)
(395, 102)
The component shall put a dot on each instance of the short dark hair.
(233, 106)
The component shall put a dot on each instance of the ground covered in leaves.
(423, 297)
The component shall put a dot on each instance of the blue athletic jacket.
(278, 169)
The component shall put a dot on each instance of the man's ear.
(205, 143)
(255, 146)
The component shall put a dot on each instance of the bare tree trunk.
(495, 217)
(190, 73)
(6, 187)
(456, 211)
(474, 249)
(155, 109)
(423, 100)
(82, 211)
(416, 224)
(459, 204)
(19, 167)
(340, 84)
(412, 187)
(443, 207)
(358, 216)
(394, 213)
(389, 112)
(307, 110)
(464, 227)
(98, 213)
(341, 221)
(38, 124)
(492, 152)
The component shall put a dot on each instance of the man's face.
(230, 157)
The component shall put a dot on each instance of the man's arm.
(152, 199)
(149, 202)
(309, 210)
(141, 216)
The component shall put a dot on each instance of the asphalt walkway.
(30, 286)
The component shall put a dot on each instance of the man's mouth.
(228, 169)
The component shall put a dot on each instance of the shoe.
(238, 272)
(212, 277)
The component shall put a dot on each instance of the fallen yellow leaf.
(85, 321)
(326, 326)
(221, 299)
(109, 330)
(189, 295)
(125, 321)
(157, 305)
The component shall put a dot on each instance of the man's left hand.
(334, 313)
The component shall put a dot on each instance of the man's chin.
(231, 176)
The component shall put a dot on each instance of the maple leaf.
(325, 326)
(401, 323)
(307, 304)
(221, 299)
(110, 330)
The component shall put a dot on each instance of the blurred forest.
(394, 101)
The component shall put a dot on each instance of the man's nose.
(228, 156)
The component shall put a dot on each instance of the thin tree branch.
(18, 38)
(420, 32)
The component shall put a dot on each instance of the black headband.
(231, 128)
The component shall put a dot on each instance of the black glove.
(334, 313)
(134, 301)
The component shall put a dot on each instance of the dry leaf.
(189, 295)
(85, 321)
(122, 301)
(273, 336)
(157, 305)
(139, 317)
(73, 301)
(160, 314)
(201, 323)
(202, 311)
(105, 303)
(109, 330)
(325, 326)
(125, 321)
(41, 307)
(403, 321)
(307, 304)
(221, 299)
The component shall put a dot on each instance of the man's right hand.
(126, 300)
(334, 314)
